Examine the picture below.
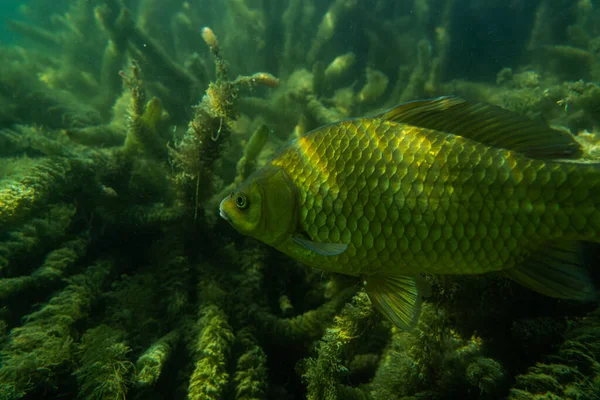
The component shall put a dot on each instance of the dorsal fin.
(487, 124)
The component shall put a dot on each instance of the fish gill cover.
(123, 123)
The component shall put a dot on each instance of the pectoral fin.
(324, 249)
(556, 271)
(399, 298)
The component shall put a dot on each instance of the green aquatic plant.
(324, 373)
(308, 325)
(117, 24)
(150, 364)
(572, 372)
(55, 267)
(202, 144)
(255, 145)
(210, 376)
(43, 346)
(376, 85)
(105, 371)
(34, 237)
(329, 23)
(415, 87)
(48, 179)
(434, 360)
(251, 378)
(144, 118)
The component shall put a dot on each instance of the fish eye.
(241, 201)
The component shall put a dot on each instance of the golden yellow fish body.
(414, 200)
(386, 199)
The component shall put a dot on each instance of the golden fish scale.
(408, 199)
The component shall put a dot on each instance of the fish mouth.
(224, 215)
(222, 212)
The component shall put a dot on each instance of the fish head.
(264, 206)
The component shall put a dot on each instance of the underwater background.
(123, 123)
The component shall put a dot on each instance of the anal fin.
(557, 270)
(399, 298)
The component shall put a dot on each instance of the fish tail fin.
(557, 270)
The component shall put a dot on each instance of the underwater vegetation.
(123, 123)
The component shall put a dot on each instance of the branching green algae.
(123, 121)
(210, 376)
(573, 372)
(150, 364)
(39, 349)
(105, 371)
(47, 178)
(324, 372)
